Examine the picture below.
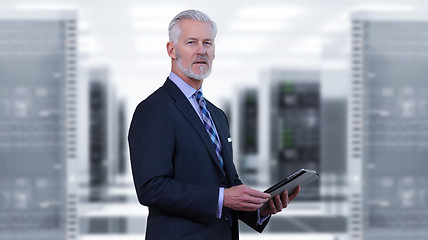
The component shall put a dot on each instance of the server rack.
(388, 128)
(122, 132)
(333, 155)
(98, 148)
(247, 134)
(38, 125)
(104, 137)
(292, 138)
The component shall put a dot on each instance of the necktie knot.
(199, 98)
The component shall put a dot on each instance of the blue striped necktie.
(209, 125)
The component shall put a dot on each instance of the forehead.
(196, 29)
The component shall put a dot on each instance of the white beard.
(189, 73)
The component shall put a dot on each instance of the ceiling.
(129, 37)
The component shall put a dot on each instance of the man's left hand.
(279, 202)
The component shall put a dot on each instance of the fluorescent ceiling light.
(152, 48)
(83, 25)
(155, 11)
(240, 43)
(242, 39)
(223, 62)
(309, 45)
(152, 39)
(264, 18)
(235, 50)
(45, 7)
(305, 49)
(153, 51)
(151, 25)
(152, 63)
(336, 26)
(334, 64)
(258, 26)
(152, 44)
(269, 12)
(315, 41)
(382, 7)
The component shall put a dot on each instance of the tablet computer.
(301, 177)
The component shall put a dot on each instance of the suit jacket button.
(226, 218)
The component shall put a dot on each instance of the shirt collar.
(185, 88)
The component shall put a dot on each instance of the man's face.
(195, 49)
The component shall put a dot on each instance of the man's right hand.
(243, 198)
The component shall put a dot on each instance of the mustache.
(202, 58)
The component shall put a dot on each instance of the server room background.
(338, 86)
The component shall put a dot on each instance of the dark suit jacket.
(176, 170)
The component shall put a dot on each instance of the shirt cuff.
(260, 219)
(220, 202)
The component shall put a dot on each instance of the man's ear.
(170, 47)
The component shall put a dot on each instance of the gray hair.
(174, 29)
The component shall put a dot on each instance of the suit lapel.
(192, 117)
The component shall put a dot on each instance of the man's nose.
(201, 49)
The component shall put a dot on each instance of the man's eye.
(209, 43)
(191, 42)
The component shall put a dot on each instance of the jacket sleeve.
(152, 145)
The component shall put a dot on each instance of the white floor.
(254, 236)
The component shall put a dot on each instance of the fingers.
(256, 200)
(250, 207)
(275, 205)
(281, 201)
(272, 208)
(243, 198)
(257, 194)
(278, 203)
(285, 199)
(253, 196)
(247, 199)
(294, 194)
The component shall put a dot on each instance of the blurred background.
(337, 86)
